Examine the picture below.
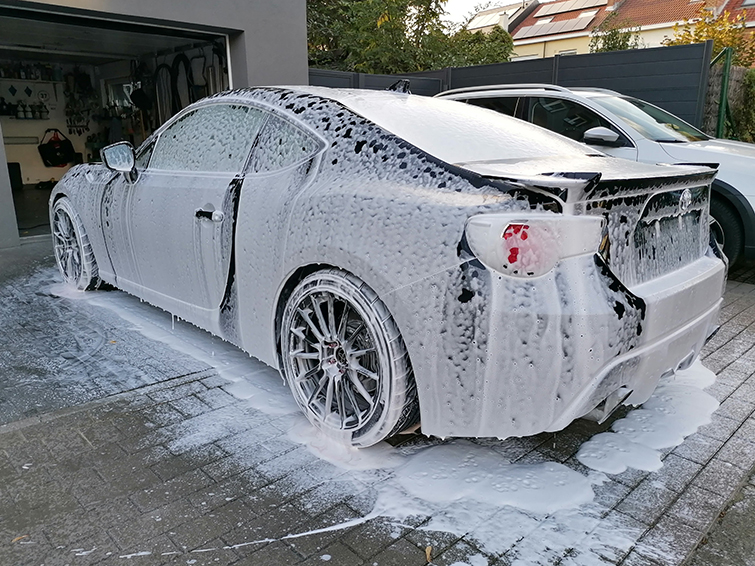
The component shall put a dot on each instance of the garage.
(73, 80)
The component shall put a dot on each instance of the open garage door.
(85, 83)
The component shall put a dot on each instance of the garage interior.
(93, 82)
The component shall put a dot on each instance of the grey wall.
(8, 227)
(268, 40)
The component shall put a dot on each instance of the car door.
(180, 210)
(572, 119)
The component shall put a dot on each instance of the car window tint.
(564, 117)
(503, 104)
(281, 144)
(215, 138)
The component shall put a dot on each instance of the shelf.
(30, 81)
(26, 119)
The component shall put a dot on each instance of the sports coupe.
(403, 259)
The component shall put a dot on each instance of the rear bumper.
(526, 356)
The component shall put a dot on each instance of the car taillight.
(530, 245)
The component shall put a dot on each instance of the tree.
(614, 35)
(723, 29)
(395, 36)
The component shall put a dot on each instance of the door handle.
(214, 215)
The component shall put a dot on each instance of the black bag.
(57, 151)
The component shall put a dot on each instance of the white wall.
(8, 226)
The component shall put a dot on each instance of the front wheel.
(344, 360)
(73, 252)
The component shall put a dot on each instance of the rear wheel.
(727, 229)
(73, 252)
(344, 359)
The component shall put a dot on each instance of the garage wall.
(268, 40)
(8, 227)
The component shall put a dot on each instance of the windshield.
(652, 122)
(456, 132)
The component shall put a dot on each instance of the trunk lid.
(656, 217)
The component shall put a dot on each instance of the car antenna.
(401, 85)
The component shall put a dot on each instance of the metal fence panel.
(674, 78)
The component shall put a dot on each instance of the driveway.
(129, 437)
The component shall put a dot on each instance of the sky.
(458, 9)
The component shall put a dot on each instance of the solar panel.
(568, 6)
(576, 24)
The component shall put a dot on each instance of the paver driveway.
(131, 438)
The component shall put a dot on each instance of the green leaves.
(395, 36)
(614, 35)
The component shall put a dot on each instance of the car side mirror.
(601, 136)
(120, 157)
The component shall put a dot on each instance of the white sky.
(458, 9)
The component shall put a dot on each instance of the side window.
(564, 117)
(142, 157)
(281, 144)
(504, 104)
(214, 138)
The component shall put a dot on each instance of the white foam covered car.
(400, 257)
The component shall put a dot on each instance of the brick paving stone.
(697, 508)
(438, 541)
(190, 406)
(669, 541)
(612, 539)
(720, 427)
(636, 558)
(739, 450)
(720, 477)
(676, 473)
(461, 552)
(336, 554)
(400, 553)
(339, 516)
(698, 448)
(609, 493)
(271, 554)
(736, 409)
(162, 493)
(647, 502)
(215, 397)
(370, 539)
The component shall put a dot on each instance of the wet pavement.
(128, 438)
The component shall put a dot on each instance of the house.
(507, 17)
(72, 65)
(564, 27)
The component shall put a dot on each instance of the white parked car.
(627, 127)
(398, 257)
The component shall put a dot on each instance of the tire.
(345, 361)
(73, 252)
(727, 229)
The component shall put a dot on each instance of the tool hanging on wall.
(179, 61)
(81, 101)
(163, 103)
(198, 68)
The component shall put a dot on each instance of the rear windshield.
(456, 132)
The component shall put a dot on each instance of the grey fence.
(674, 78)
